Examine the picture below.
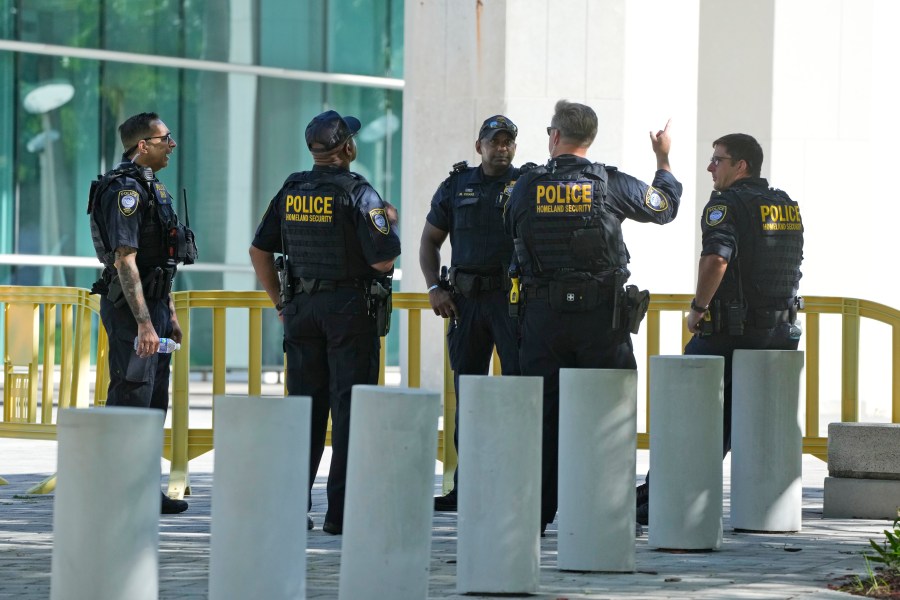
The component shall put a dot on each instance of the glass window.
(238, 136)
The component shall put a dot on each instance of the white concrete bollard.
(389, 506)
(766, 441)
(597, 449)
(686, 411)
(106, 511)
(499, 505)
(260, 484)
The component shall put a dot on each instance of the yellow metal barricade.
(48, 331)
(37, 322)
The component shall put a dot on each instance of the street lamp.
(41, 100)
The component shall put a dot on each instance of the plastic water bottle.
(166, 345)
(796, 330)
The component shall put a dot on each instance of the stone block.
(864, 450)
(847, 498)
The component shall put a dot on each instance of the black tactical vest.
(319, 237)
(163, 241)
(476, 229)
(568, 224)
(771, 248)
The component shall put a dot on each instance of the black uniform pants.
(722, 344)
(135, 381)
(331, 345)
(483, 323)
(554, 340)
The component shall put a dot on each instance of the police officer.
(139, 240)
(339, 244)
(566, 220)
(749, 272)
(468, 206)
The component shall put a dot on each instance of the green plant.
(888, 552)
(872, 583)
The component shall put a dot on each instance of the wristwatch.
(697, 308)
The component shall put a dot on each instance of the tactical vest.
(479, 241)
(568, 225)
(316, 226)
(162, 240)
(771, 249)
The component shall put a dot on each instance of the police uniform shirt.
(743, 219)
(124, 206)
(627, 197)
(469, 205)
(377, 237)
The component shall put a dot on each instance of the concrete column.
(686, 406)
(386, 550)
(766, 441)
(106, 511)
(597, 446)
(498, 547)
(748, 93)
(258, 538)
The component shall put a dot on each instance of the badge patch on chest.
(379, 220)
(715, 214)
(128, 202)
(655, 199)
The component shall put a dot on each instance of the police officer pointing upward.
(468, 206)
(339, 242)
(749, 271)
(566, 218)
(139, 240)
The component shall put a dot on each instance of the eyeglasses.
(715, 160)
(165, 138)
(498, 124)
(551, 128)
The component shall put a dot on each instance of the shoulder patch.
(715, 214)
(379, 220)
(128, 202)
(656, 200)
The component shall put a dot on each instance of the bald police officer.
(468, 206)
(139, 240)
(749, 272)
(339, 243)
(566, 218)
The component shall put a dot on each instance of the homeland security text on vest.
(312, 209)
(564, 197)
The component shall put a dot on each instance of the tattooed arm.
(130, 278)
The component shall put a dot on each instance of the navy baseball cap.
(492, 125)
(329, 130)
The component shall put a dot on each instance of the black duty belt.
(311, 285)
(767, 319)
(469, 284)
(156, 282)
(538, 291)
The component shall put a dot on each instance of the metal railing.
(41, 320)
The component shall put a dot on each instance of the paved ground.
(747, 566)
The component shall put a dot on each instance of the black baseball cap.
(329, 130)
(492, 125)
